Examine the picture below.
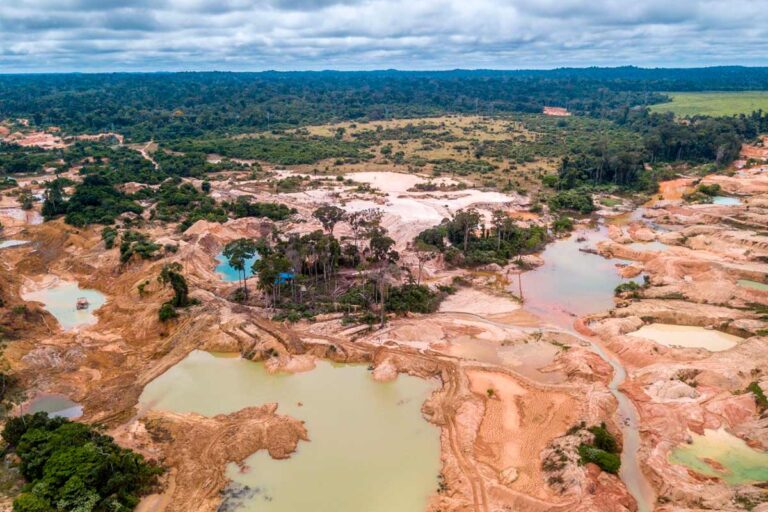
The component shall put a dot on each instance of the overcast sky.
(125, 35)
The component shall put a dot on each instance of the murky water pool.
(370, 448)
(687, 336)
(720, 454)
(61, 299)
(572, 281)
(228, 273)
(54, 405)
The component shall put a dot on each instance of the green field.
(714, 103)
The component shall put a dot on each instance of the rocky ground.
(693, 282)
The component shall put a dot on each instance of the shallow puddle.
(54, 405)
(528, 358)
(370, 448)
(6, 244)
(687, 336)
(726, 201)
(228, 273)
(720, 454)
(752, 284)
(61, 301)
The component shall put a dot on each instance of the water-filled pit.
(61, 299)
(54, 405)
(687, 336)
(370, 447)
(572, 281)
(720, 454)
(726, 201)
(229, 273)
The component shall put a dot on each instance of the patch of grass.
(714, 103)
(760, 398)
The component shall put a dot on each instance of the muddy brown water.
(370, 447)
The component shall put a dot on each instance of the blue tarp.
(283, 277)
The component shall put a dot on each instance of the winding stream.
(575, 283)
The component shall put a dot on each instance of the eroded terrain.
(519, 369)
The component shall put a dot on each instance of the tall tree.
(329, 215)
(466, 222)
(171, 275)
(238, 252)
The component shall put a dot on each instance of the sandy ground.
(478, 302)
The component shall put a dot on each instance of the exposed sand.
(478, 302)
(674, 189)
(394, 181)
(518, 423)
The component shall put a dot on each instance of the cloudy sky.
(125, 35)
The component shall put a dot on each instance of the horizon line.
(386, 70)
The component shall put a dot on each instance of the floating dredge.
(82, 303)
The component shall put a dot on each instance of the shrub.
(562, 224)
(576, 200)
(604, 440)
(412, 297)
(167, 312)
(609, 462)
(628, 287)
(109, 235)
(760, 398)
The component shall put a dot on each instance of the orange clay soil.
(490, 446)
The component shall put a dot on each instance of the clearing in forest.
(714, 103)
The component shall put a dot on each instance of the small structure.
(82, 303)
(283, 277)
(556, 111)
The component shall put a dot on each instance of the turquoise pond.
(230, 274)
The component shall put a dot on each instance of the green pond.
(61, 300)
(370, 447)
(735, 462)
(752, 284)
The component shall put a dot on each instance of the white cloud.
(90, 35)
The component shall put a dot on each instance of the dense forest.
(613, 141)
(179, 105)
